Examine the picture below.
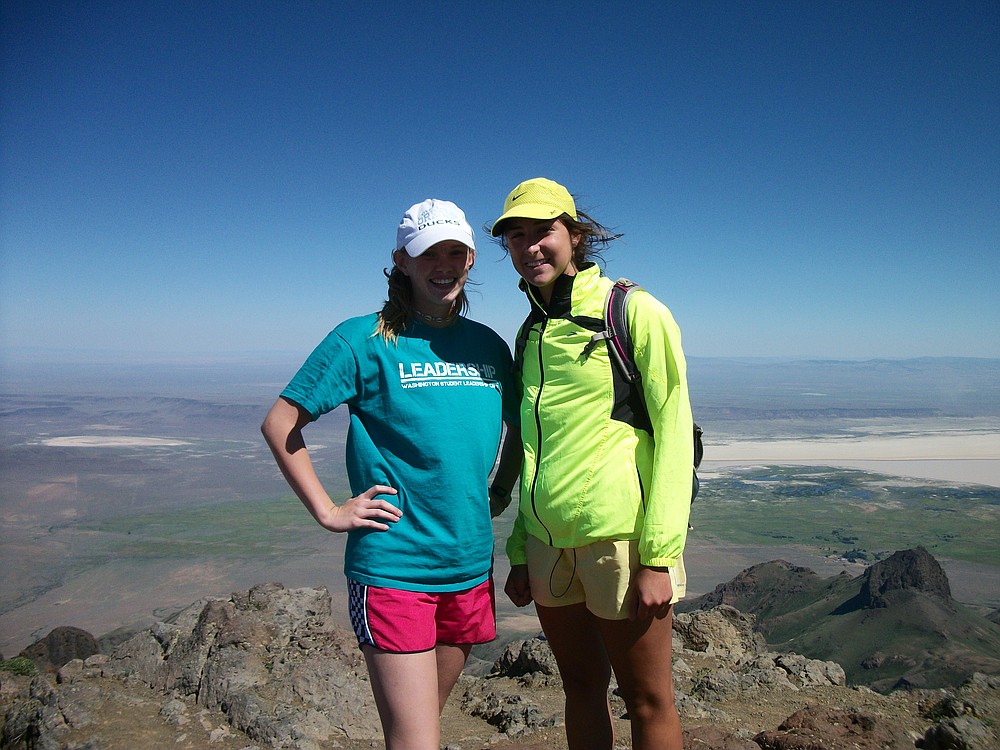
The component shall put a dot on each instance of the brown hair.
(595, 237)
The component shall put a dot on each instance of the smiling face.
(541, 251)
(437, 275)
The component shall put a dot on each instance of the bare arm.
(282, 429)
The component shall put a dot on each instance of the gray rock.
(268, 658)
(526, 657)
(282, 676)
(510, 713)
(723, 631)
(808, 672)
(175, 712)
(959, 733)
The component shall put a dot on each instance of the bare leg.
(450, 663)
(407, 695)
(575, 637)
(641, 652)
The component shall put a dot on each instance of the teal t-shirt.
(426, 414)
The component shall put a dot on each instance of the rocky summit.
(894, 626)
(266, 668)
(911, 570)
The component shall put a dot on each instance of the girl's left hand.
(653, 592)
(517, 588)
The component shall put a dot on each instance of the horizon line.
(25, 356)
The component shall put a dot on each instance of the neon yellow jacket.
(589, 475)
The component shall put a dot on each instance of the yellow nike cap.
(537, 198)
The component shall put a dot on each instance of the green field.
(854, 514)
(232, 531)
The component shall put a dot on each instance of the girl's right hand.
(366, 511)
(517, 588)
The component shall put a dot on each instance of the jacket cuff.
(660, 562)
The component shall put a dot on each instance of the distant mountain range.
(780, 388)
(946, 386)
(896, 625)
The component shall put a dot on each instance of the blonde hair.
(397, 312)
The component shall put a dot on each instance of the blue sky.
(205, 180)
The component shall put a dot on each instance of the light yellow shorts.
(599, 575)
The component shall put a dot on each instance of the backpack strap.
(521, 341)
(615, 332)
(616, 324)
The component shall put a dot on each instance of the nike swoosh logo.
(517, 196)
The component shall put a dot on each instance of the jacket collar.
(561, 304)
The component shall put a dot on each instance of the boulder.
(61, 645)
(722, 631)
(825, 728)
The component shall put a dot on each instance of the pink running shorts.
(412, 621)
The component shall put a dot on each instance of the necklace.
(435, 318)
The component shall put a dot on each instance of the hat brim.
(539, 211)
(433, 235)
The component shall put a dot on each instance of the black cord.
(553, 572)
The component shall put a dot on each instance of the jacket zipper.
(538, 427)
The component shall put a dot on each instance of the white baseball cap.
(431, 221)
